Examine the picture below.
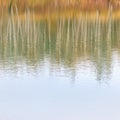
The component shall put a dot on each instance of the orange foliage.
(61, 4)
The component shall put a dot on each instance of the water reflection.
(68, 45)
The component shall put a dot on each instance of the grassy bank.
(53, 9)
(52, 5)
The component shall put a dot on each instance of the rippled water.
(67, 69)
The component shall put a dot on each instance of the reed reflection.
(65, 43)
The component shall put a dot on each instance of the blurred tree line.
(77, 4)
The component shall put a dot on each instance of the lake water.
(65, 69)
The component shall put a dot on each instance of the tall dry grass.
(52, 5)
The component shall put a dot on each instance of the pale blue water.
(59, 80)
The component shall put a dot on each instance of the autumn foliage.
(42, 5)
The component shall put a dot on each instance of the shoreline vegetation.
(66, 41)
(46, 9)
(43, 6)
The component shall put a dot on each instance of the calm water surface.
(67, 69)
